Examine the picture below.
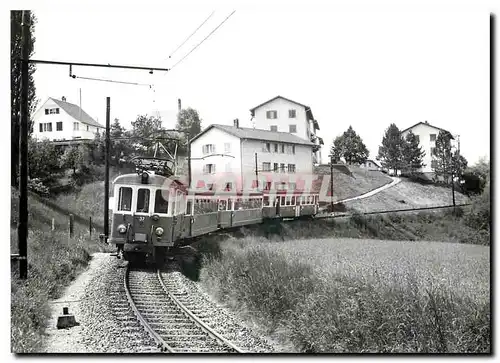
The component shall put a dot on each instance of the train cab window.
(125, 199)
(287, 200)
(266, 201)
(161, 201)
(229, 204)
(292, 201)
(282, 202)
(143, 201)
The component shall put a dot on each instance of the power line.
(218, 26)
(176, 49)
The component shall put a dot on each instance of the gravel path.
(107, 324)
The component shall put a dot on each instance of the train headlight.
(159, 231)
(155, 217)
(122, 229)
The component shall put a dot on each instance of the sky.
(365, 67)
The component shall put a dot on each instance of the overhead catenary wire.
(197, 45)
(189, 37)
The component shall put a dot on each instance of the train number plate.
(140, 237)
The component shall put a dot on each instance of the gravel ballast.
(107, 324)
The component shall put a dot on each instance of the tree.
(413, 154)
(350, 146)
(144, 130)
(75, 157)
(390, 153)
(119, 148)
(15, 84)
(337, 148)
(442, 156)
(188, 120)
(43, 160)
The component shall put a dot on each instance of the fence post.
(53, 224)
(71, 224)
(90, 226)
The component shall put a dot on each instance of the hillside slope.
(407, 195)
(344, 186)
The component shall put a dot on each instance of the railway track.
(163, 310)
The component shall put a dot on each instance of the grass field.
(359, 295)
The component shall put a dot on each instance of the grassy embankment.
(358, 295)
(54, 260)
(362, 181)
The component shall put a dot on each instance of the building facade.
(427, 135)
(281, 114)
(58, 120)
(233, 157)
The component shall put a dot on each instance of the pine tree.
(390, 153)
(413, 154)
(443, 156)
(336, 151)
(188, 121)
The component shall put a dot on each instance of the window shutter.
(41, 126)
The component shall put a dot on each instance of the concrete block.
(66, 320)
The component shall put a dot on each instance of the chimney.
(179, 104)
(63, 99)
(426, 122)
(236, 123)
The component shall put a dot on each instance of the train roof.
(154, 180)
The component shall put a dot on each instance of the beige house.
(281, 114)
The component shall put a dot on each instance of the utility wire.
(218, 26)
(176, 49)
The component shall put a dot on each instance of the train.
(153, 214)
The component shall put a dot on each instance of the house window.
(46, 111)
(282, 168)
(272, 114)
(293, 149)
(275, 167)
(292, 186)
(87, 127)
(291, 168)
(433, 151)
(227, 147)
(75, 126)
(209, 168)
(268, 147)
(282, 148)
(41, 127)
(433, 137)
(433, 164)
(209, 149)
(292, 113)
(229, 186)
(274, 128)
(266, 166)
(293, 129)
(53, 111)
(46, 127)
(59, 126)
(275, 148)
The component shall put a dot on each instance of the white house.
(58, 120)
(283, 115)
(370, 164)
(426, 135)
(227, 156)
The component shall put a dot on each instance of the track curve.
(167, 319)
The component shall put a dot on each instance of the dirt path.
(375, 191)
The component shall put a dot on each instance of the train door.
(142, 222)
(296, 203)
(277, 203)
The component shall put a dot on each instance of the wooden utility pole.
(331, 182)
(22, 228)
(106, 174)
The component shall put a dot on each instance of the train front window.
(143, 201)
(125, 199)
(161, 201)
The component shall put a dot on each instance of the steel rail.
(159, 340)
(197, 320)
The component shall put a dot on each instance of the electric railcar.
(152, 214)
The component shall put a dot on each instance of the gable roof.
(257, 134)
(76, 112)
(428, 124)
(374, 161)
(308, 109)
